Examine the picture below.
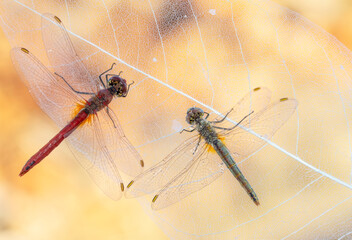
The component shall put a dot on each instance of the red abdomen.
(54, 142)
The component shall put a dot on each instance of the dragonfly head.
(118, 86)
(193, 114)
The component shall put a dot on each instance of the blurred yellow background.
(58, 200)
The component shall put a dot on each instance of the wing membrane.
(265, 122)
(101, 166)
(160, 174)
(204, 168)
(256, 100)
(52, 94)
(63, 57)
(120, 148)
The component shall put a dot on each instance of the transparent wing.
(99, 163)
(52, 94)
(160, 174)
(63, 57)
(111, 186)
(103, 142)
(265, 122)
(256, 100)
(120, 148)
(205, 168)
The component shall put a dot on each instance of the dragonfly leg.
(107, 78)
(187, 130)
(223, 128)
(207, 115)
(101, 80)
(195, 150)
(235, 125)
(107, 111)
(128, 88)
(85, 93)
(219, 121)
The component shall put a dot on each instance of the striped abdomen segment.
(226, 157)
(54, 142)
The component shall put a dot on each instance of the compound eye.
(112, 83)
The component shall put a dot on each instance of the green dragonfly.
(202, 158)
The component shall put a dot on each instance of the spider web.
(186, 53)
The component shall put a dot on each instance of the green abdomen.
(226, 157)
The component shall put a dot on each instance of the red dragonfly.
(79, 104)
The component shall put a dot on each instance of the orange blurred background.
(59, 201)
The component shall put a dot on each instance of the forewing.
(256, 100)
(52, 94)
(160, 174)
(205, 168)
(265, 123)
(63, 57)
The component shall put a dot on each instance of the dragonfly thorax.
(99, 101)
(207, 131)
(118, 86)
